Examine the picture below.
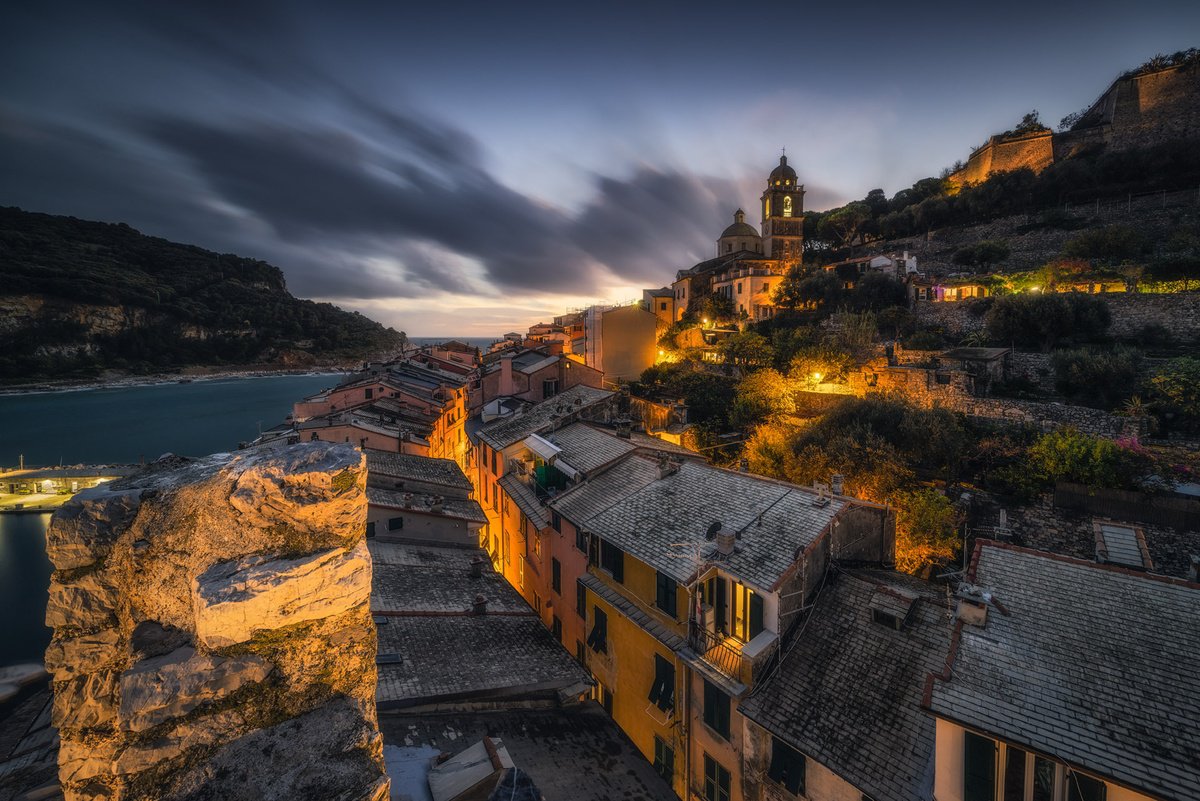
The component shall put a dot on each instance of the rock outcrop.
(212, 631)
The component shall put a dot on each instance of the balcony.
(716, 649)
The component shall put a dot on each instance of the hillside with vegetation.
(81, 299)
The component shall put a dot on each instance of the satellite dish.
(712, 530)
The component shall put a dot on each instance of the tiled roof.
(586, 448)
(445, 472)
(541, 417)
(525, 499)
(649, 517)
(459, 508)
(848, 692)
(1097, 665)
(425, 594)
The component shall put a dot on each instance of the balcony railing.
(713, 648)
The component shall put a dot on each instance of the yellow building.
(692, 573)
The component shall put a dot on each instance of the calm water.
(111, 426)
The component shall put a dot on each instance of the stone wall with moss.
(212, 631)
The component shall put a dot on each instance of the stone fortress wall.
(1135, 111)
(212, 632)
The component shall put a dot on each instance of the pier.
(44, 489)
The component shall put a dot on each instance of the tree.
(982, 254)
(1046, 320)
(717, 308)
(1109, 245)
(1177, 385)
(926, 530)
(843, 225)
(1070, 455)
(746, 348)
(762, 395)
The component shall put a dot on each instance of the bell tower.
(783, 216)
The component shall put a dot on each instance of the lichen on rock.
(212, 623)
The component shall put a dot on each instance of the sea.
(115, 426)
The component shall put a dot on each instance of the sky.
(466, 169)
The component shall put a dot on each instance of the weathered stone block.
(337, 740)
(170, 686)
(80, 760)
(86, 527)
(73, 656)
(235, 599)
(88, 601)
(206, 731)
(85, 701)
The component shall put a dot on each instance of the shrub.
(1177, 386)
(982, 254)
(926, 530)
(1047, 320)
(1070, 455)
(760, 396)
(1102, 379)
(1109, 245)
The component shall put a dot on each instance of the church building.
(749, 263)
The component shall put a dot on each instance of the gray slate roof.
(459, 508)
(525, 499)
(645, 516)
(541, 417)
(1097, 665)
(417, 468)
(425, 594)
(586, 448)
(848, 693)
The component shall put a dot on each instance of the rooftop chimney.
(725, 541)
(506, 375)
(438, 504)
(743, 465)
(972, 605)
(479, 605)
(476, 569)
(1194, 569)
(837, 483)
(624, 428)
(666, 467)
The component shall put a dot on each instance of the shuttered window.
(716, 709)
(787, 766)
(598, 639)
(662, 690)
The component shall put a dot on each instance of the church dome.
(740, 227)
(782, 173)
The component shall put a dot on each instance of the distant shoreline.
(157, 379)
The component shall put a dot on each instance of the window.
(556, 576)
(979, 768)
(664, 759)
(556, 629)
(612, 559)
(728, 248)
(787, 205)
(739, 284)
(580, 599)
(549, 387)
(1014, 775)
(787, 766)
(662, 689)
(580, 653)
(495, 463)
(1085, 788)
(370, 529)
(662, 306)
(766, 287)
(606, 699)
(598, 639)
(747, 613)
(368, 393)
(664, 593)
(537, 603)
(716, 709)
(537, 545)
(556, 522)
(580, 541)
(395, 523)
(716, 780)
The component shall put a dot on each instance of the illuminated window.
(787, 205)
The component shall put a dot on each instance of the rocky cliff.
(80, 297)
(212, 632)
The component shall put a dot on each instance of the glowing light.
(706, 321)
(817, 376)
